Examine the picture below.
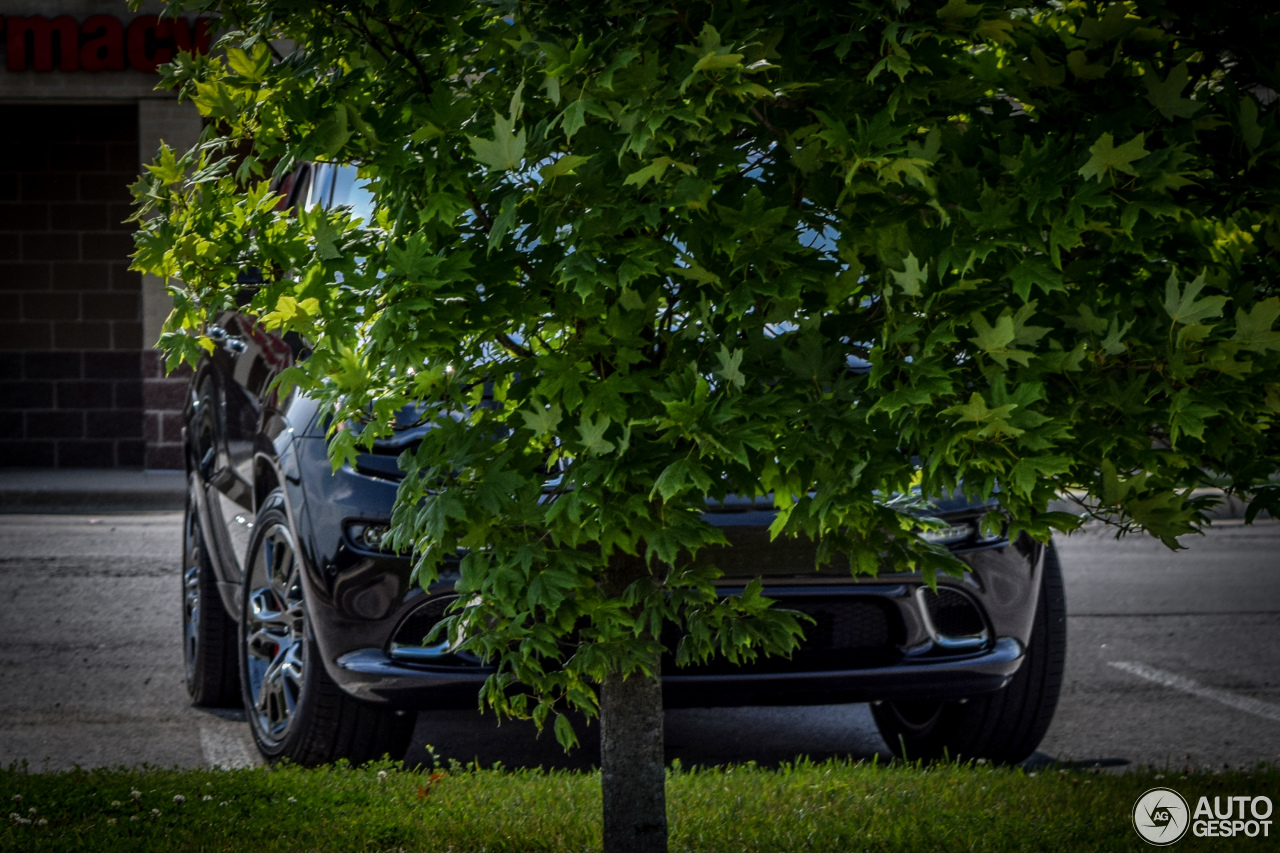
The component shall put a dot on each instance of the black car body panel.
(874, 638)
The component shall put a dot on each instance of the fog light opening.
(370, 536)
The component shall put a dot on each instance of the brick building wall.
(163, 397)
(71, 350)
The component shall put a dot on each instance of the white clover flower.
(42, 822)
(133, 817)
(115, 804)
(293, 799)
(31, 810)
(155, 813)
(111, 821)
(207, 798)
(137, 795)
(179, 799)
(382, 775)
(17, 798)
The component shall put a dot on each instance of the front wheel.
(1004, 727)
(295, 709)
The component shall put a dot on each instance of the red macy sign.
(101, 43)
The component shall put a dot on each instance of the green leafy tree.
(640, 242)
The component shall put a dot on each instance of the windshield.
(337, 185)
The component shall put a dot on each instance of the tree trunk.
(633, 776)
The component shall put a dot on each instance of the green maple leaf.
(286, 309)
(592, 433)
(1113, 343)
(1078, 62)
(166, 166)
(331, 132)
(994, 339)
(676, 476)
(1184, 307)
(1034, 271)
(1041, 70)
(504, 223)
(1117, 22)
(1167, 96)
(729, 364)
(573, 118)
(718, 61)
(653, 172)
(1253, 328)
(912, 275)
(1187, 417)
(1164, 515)
(1250, 130)
(991, 421)
(995, 29)
(216, 99)
(251, 65)
(1107, 157)
(506, 150)
(1024, 333)
(1029, 470)
(991, 337)
(562, 166)
(324, 236)
(542, 419)
(957, 10)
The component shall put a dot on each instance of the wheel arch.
(266, 479)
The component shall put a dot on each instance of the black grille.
(842, 625)
(952, 613)
(418, 625)
(421, 621)
(847, 633)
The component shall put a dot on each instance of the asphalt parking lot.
(1174, 659)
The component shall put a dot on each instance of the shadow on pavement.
(697, 736)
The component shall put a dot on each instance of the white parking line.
(1167, 679)
(224, 748)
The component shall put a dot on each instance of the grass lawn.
(837, 806)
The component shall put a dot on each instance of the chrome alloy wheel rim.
(191, 597)
(275, 634)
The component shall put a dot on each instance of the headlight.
(950, 534)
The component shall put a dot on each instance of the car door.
(234, 398)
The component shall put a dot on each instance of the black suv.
(293, 607)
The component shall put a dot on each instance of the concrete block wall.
(71, 338)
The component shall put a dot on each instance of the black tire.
(208, 631)
(295, 709)
(1004, 727)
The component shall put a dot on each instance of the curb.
(73, 490)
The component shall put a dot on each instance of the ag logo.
(1160, 816)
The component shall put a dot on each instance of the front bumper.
(371, 675)
(359, 599)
